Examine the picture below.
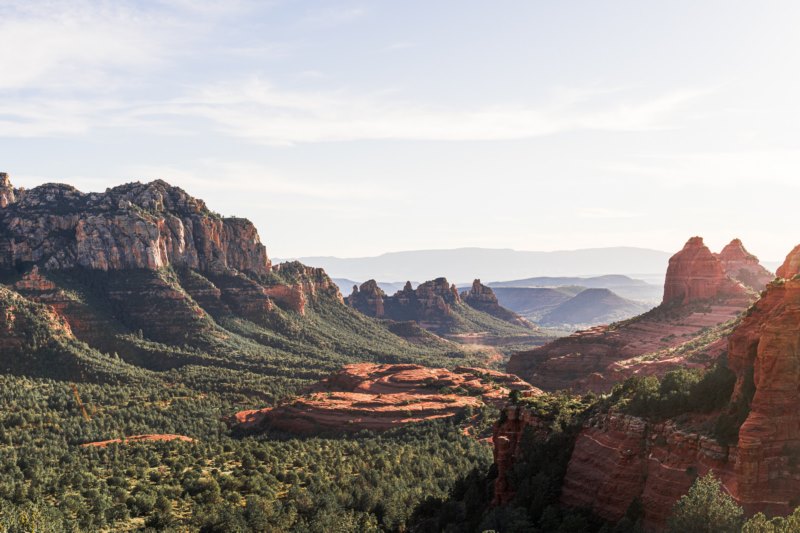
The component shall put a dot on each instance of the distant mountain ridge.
(465, 264)
(625, 286)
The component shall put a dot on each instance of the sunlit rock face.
(618, 459)
(696, 274)
(744, 267)
(148, 226)
(699, 296)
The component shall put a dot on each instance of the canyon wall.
(136, 225)
(618, 458)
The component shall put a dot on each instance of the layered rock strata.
(146, 226)
(744, 267)
(379, 397)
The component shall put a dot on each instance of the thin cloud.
(249, 177)
(259, 112)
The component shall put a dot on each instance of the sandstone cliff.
(695, 274)
(700, 306)
(741, 265)
(137, 225)
(618, 459)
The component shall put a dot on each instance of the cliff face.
(741, 265)
(696, 274)
(700, 301)
(147, 259)
(764, 352)
(137, 225)
(619, 458)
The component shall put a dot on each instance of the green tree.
(706, 508)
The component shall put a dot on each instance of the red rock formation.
(765, 349)
(506, 439)
(368, 299)
(695, 274)
(136, 225)
(698, 297)
(744, 267)
(302, 285)
(379, 397)
(436, 306)
(7, 195)
(618, 458)
(791, 266)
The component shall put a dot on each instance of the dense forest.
(221, 480)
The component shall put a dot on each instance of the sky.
(354, 128)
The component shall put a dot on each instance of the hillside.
(149, 274)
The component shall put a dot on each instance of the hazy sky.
(354, 128)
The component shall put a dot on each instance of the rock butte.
(432, 304)
(138, 438)
(744, 267)
(380, 397)
(698, 296)
(619, 458)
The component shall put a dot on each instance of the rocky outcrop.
(438, 307)
(700, 303)
(744, 267)
(695, 274)
(7, 194)
(506, 438)
(368, 299)
(430, 303)
(618, 459)
(301, 284)
(147, 226)
(483, 299)
(764, 352)
(379, 397)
